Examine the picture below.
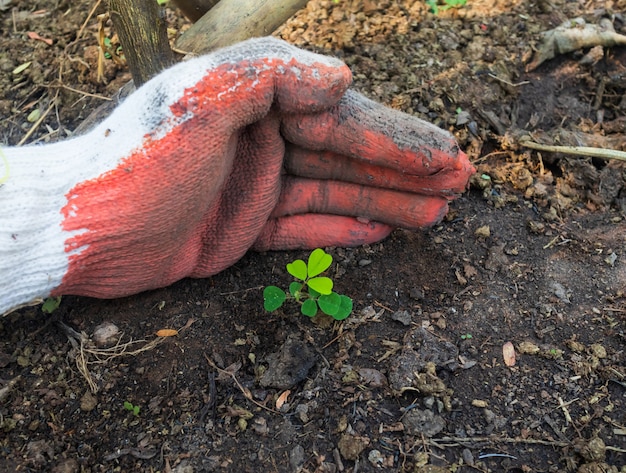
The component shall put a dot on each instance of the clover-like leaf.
(295, 288)
(309, 308)
(319, 261)
(51, 304)
(330, 303)
(345, 308)
(297, 269)
(273, 298)
(323, 285)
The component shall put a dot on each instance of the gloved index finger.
(362, 129)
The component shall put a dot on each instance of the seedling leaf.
(297, 269)
(295, 288)
(319, 261)
(345, 308)
(51, 304)
(330, 303)
(273, 298)
(323, 285)
(313, 293)
(309, 308)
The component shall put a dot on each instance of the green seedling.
(130, 407)
(310, 290)
(466, 336)
(51, 304)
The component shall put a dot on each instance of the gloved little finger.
(394, 208)
(362, 129)
(309, 231)
(447, 182)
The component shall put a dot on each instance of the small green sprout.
(466, 336)
(130, 407)
(51, 304)
(311, 290)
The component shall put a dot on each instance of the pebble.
(402, 316)
(296, 457)
(351, 446)
(88, 402)
(417, 422)
(468, 458)
(483, 232)
(106, 334)
(376, 458)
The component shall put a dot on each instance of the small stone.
(479, 403)
(296, 457)
(372, 377)
(365, 262)
(463, 118)
(592, 451)
(575, 346)
(88, 402)
(259, 425)
(402, 316)
(536, 227)
(468, 458)
(417, 422)
(302, 410)
(289, 365)
(375, 458)
(351, 446)
(528, 348)
(560, 291)
(483, 232)
(106, 334)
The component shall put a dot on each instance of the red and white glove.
(257, 146)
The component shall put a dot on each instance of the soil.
(419, 378)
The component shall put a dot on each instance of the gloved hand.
(259, 145)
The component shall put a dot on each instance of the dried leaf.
(282, 399)
(573, 35)
(508, 352)
(35, 36)
(21, 68)
(167, 332)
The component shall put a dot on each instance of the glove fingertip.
(310, 231)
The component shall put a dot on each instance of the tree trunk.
(231, 21)
(143, 35)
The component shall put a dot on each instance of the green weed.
(310, 290)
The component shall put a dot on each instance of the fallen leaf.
(21, 68)
(167, 332)
(35, 36)
(282, 399)
(508, 352)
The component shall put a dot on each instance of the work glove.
(256, 146)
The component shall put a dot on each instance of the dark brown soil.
(415, 380)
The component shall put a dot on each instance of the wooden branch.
(231, 21)
(143, 34)
(576, 150)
